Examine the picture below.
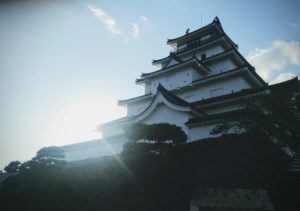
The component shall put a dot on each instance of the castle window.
(206, 37)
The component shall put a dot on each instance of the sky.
(65, 64)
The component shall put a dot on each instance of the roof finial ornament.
(217, 20)
(187, 31)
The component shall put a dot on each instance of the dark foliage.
(13, 167)
(159, 133)
(147, 182)
(47, 156)
(276, 115)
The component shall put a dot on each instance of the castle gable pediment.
(166, 98)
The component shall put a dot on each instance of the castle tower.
(196, 86)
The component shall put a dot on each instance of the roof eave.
(175, 41)
(131, 100)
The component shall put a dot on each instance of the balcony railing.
(195, 43)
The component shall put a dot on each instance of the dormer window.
(206, 37)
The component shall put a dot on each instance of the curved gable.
(168, 99)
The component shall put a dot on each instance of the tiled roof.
(194, 58)
(241, 93)
(208, 59)
(289, 85)
(134, 98)
(228, 114)
(244, 92)
(187, 49)
(174, 99)
(173, 55)
(215, 21)
(116, 121)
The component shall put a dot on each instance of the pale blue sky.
(64, 65)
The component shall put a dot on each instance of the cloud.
(144, 19)
(275, 58)
(283, 77)
(294, 25)
(112, 26)
(106, 19)
(135, 27)
(135, 30)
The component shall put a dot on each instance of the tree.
(13, 167)
(50, 156)
(50, 153)
(45, 157)
(276, 115)
(159, 133)
(136, 132)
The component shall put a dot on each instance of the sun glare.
(78, 120)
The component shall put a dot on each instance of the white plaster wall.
(207, 91)
(155, 82)
(113, 129)
(179, 79)
(100, 148)
(173, 79)
(170, 80)
(164, 114)
(214, 50)
(200, 132)
(137, 107)
(172, 62)
(147, 88)
(222, 66)
(196, 75)
(184, 78)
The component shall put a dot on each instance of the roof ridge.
(215, 21)
(173, 98)
(174, 65)
(175, 57)
(240, 93)
(167, 94)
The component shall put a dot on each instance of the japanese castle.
(201, 82)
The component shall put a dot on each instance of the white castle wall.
(92, 149)
(200, 132)
(172, 62)
(214, 89)
(197, 93)
(222, 66)
(171, 80)
(137, 107)
(164, 114)
(213, 50)
(112, 130)
(179, 79)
